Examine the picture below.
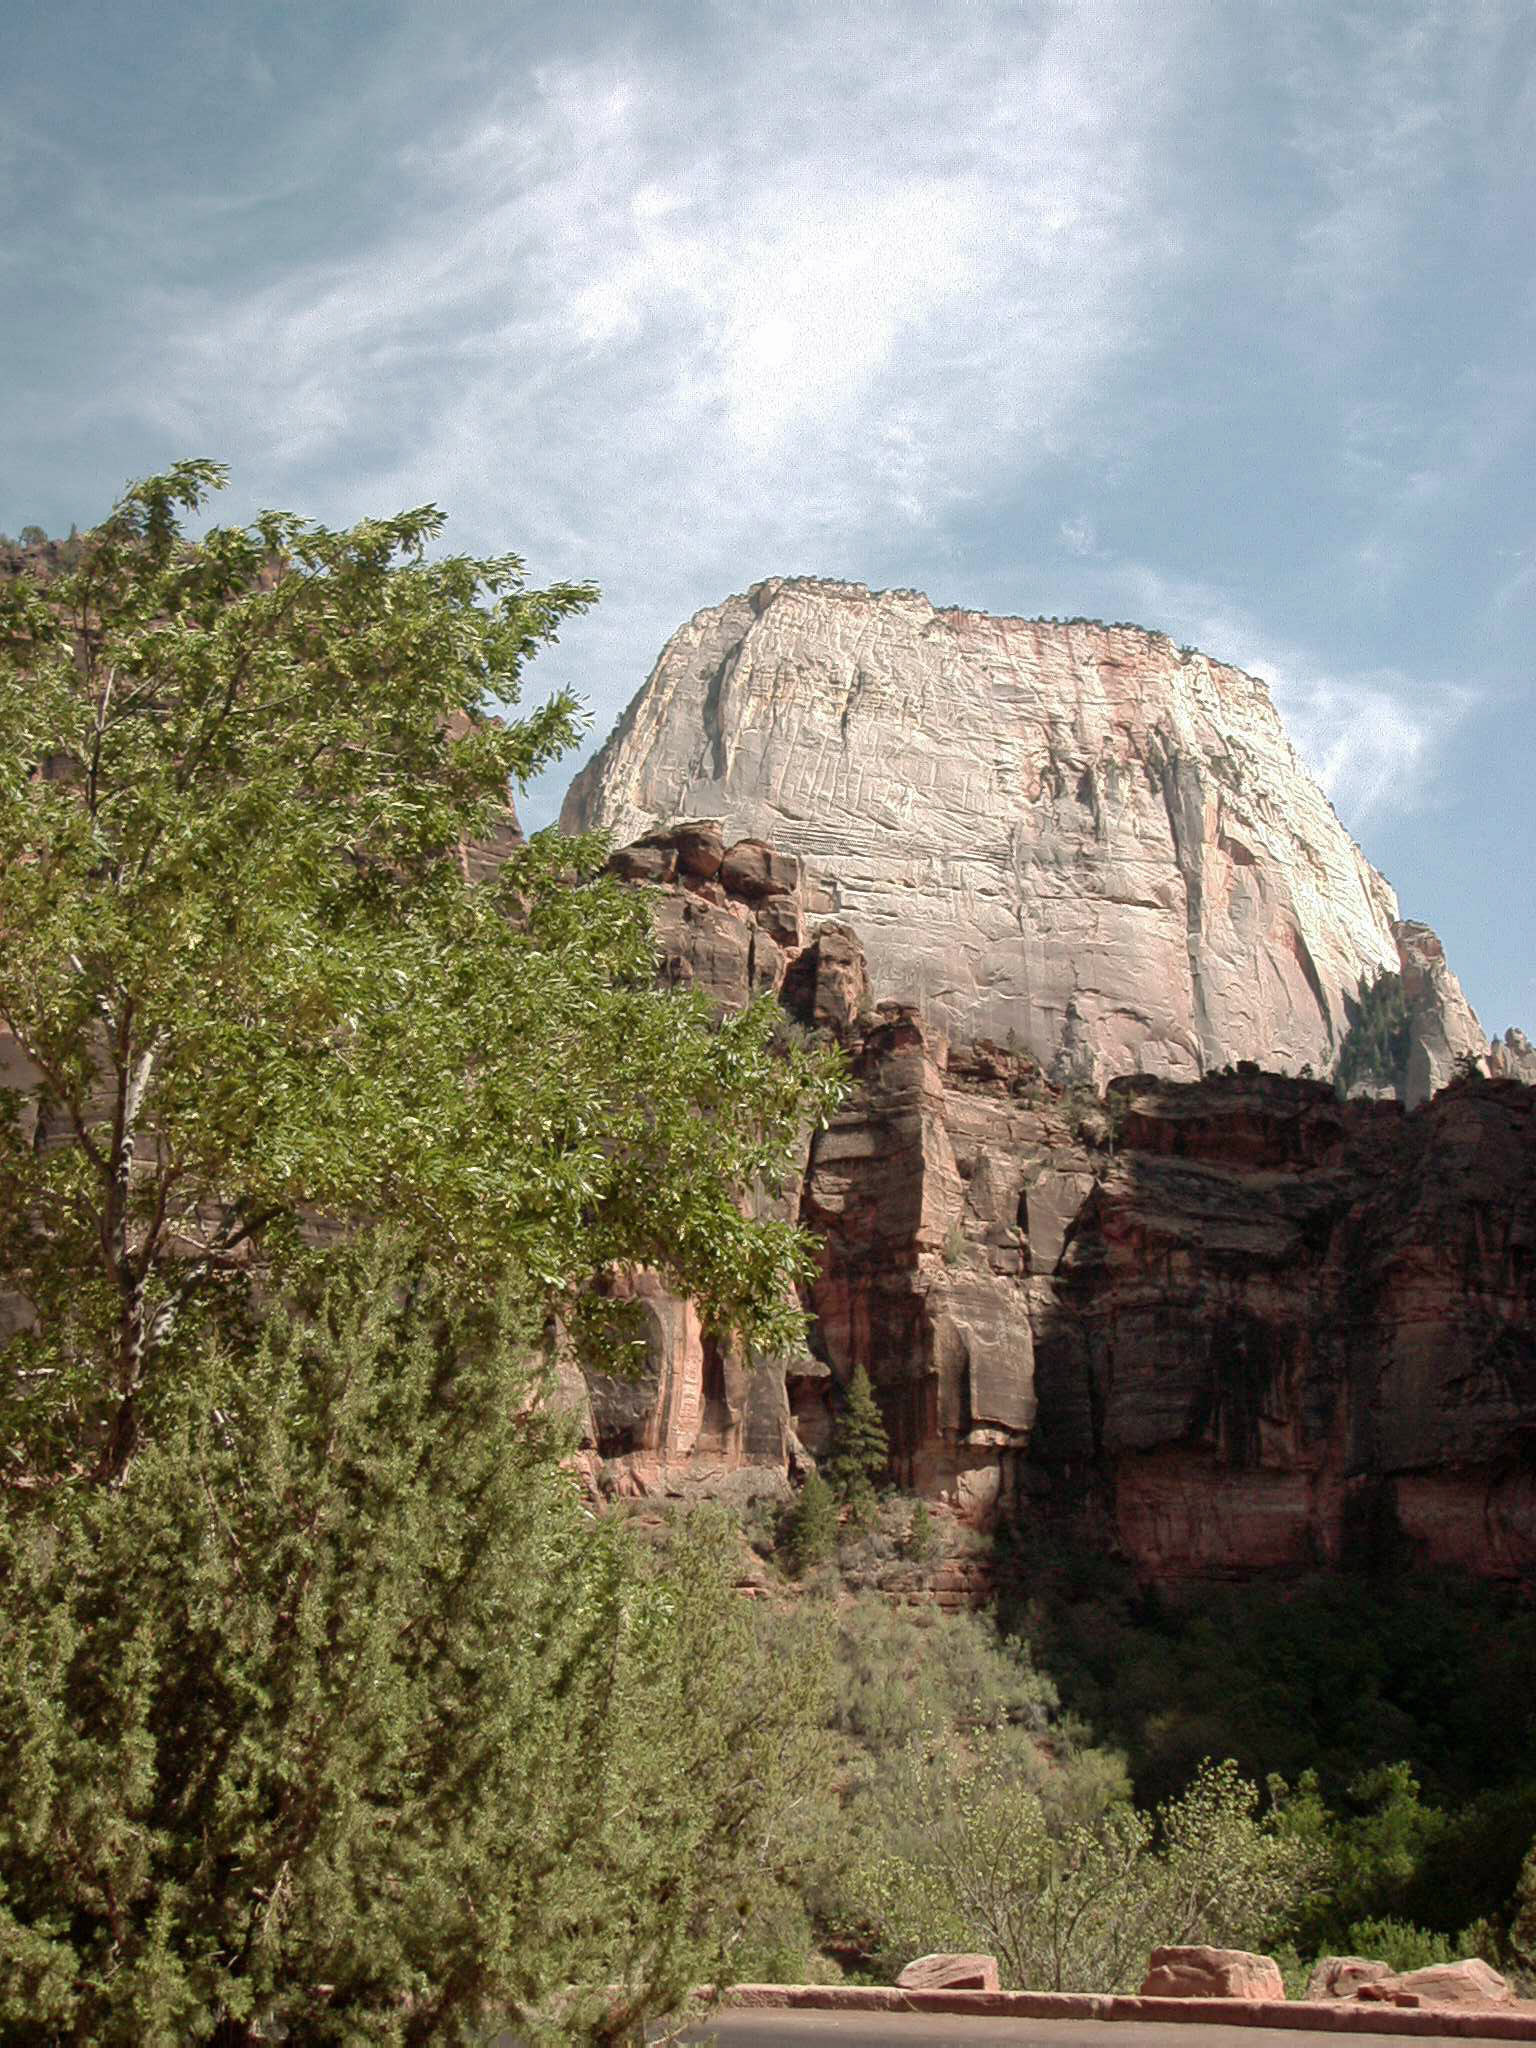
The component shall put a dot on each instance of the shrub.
(1076, 1905)
(810, 1528)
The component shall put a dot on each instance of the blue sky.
(1218, 317)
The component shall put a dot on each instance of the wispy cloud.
(1079, 536)
(673, 320)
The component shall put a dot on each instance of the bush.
(1397, 1944)
(810, 1527)
(920, 1541)
(1077, 1905)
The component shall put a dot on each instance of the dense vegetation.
(1402, 1711)
(324, 1702)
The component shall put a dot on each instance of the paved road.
(939, 2030)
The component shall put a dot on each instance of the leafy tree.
(251, 981)
(811, 1525)
(33, 537)
(323, 1703)
(860, 1449)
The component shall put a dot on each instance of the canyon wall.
(1220, 1327)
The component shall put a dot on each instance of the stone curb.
(1318, 2018)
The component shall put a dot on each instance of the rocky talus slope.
(1073, 837)
(1224, 1327)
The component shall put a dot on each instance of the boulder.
(1470, 1982)
(752, 869)
(1344, 1977)
(700, 848)
(949, 1973)
(1201, 1972)
(646, 861)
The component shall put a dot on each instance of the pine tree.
(811, 1531)
(920, 1539)
(860, 1448)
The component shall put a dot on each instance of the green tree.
(323, 1702)
(251, 981)
(811, 1526)
(920, 1542)
(860, 1448)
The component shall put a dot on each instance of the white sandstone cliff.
(1075, 834)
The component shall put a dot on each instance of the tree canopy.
(250, 983)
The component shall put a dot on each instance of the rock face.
(1223, 1327)
(1291, 1332)
(1074, 838)
(1442, 1026)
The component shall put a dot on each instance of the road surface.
(769, 2029)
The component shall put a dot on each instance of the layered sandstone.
(1221, 1327)
(1075, 838)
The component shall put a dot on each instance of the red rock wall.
(1225, 1327)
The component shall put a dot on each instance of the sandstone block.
(949, 1973)
(1201, 1972)
(700, 848)
(1470, 1982)
(1344, 1976)
(646, 861)
(780, 916)
(752, 868)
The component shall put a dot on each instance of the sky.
(1217, 317)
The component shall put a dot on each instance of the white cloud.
(1079, 536)
(661, 324)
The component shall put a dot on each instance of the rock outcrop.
(1074, 838)
(1513, 1058)
(1443, 1031)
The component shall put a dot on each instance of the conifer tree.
(811, 1534)
(920, 1539)
(860, 1448)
